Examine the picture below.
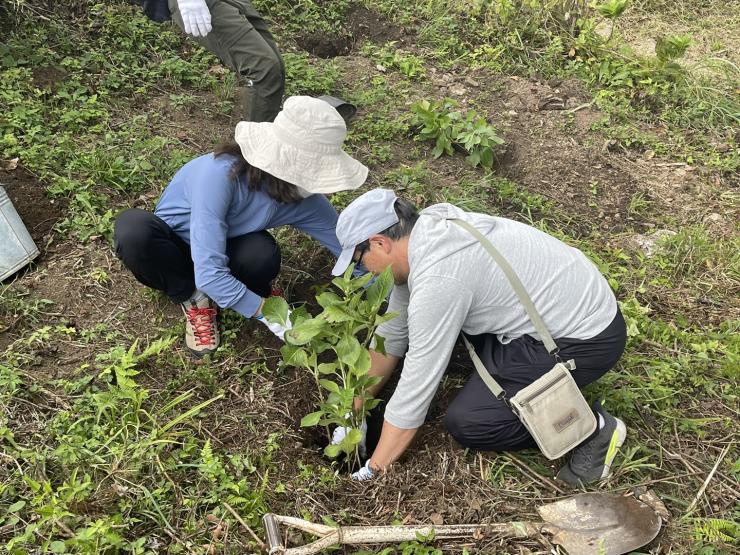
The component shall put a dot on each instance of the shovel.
(585, 524)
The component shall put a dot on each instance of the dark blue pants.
(160, 259)
(476, 419)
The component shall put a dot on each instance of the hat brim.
(343, 262)
(315, 172)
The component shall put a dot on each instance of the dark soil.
(365, 24)
(325, 46)
(47, 77)
(38, 212)
(361, 24)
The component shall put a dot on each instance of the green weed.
(450, 130)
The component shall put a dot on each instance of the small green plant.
(452, 130)
(389, 56)
(345, 328)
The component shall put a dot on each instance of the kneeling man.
(446, 282)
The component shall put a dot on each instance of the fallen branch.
(245, 525)
(703, 487)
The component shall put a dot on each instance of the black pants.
(160, 259)
(476, 419)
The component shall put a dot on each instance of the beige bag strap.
(516, 284)
(524, 298)
(492, 384)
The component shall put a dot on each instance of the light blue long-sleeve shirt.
(205, 207)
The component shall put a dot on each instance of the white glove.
(365, 473)
(340, 432)
(275, 327)
(196, 19)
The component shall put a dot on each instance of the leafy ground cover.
(111, 440)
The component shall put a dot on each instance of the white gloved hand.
(340, 432)
(196, 18)
(365, 473)
(275, 327)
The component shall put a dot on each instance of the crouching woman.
(207, 244)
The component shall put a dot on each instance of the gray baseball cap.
(368, 214)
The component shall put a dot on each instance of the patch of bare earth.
(360, 24)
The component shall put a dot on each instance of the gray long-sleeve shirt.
(454, 285)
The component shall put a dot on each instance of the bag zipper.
(543, 389)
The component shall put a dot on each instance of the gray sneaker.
(592, 459)
(201, 326)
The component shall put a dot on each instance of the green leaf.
(294, 355)
(299, 314)
(330, 386)
(351, 440)
(326, 368)
(348, 349)
(672, 47)
(275, 310)
(58, 546)
(379, 290)
(385, 317)
(17, 506)
(332, 450)
(311, 419)
(305, 331)
(338, 313)
(362, 365)
(612, 9)
(328, 299)
(379, 344)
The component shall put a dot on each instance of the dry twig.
(703, 487)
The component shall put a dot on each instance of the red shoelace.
(203, 322)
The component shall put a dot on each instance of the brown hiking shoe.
(201, 326)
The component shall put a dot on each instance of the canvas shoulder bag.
(552, 408)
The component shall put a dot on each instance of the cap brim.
(316, 173)
(343, 262)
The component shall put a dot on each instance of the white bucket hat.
(303, 146)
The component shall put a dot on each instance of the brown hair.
(257, 180)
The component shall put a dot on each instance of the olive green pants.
(242, 40)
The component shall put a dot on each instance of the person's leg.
(160, 259)
(254, 259)
(156, 256)
(478, 420)
(249, 51)
(475, 418)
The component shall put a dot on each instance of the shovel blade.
(600, 524)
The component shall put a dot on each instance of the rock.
(649, 244)
(458, 90)
(551, 103)
(472, 82)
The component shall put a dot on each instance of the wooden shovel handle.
(382, 534)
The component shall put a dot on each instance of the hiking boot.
(201, 325)
(592, 459)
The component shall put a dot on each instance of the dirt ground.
(550, 152)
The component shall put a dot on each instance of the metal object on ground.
(584, 524)
(345, 109)
(16, 246)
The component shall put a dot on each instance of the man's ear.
(382, 241)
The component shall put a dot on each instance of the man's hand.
(196, 18)
(340, 432)
(275, 327)
(365, 473)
